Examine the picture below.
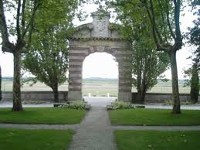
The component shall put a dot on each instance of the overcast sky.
(102, 64)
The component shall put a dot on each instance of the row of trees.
(39, 28)
(147, 63)
(163, 18)
(158, 21)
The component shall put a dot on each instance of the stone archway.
(99, 36)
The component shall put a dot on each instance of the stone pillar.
(125, 79)
(76, 58)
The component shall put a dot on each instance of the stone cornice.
(97, 38)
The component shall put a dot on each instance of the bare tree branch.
(163, 17)
(7, 46)
(17, 20)
(31, 21)
(23, 15)
(168, 21)
(178, 40)
(154, 22)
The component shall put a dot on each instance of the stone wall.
(48, 96)
(37, 95)
(161, 97)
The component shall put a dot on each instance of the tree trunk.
(0, 84)
(141, 95)
(138, 99)
(194, 92)
(175, 88)
(17, 104)
(55, 93)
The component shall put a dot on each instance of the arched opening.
(100, 76)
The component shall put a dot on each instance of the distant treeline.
(7, 78)
(96, 79)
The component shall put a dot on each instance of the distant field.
(98, 87)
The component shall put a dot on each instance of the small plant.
(76, 105)
(187, 103)
(120, 105)
(170, 102)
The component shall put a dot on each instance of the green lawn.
(158, 140)
(17, 139)
(154, 117)
(42, 116)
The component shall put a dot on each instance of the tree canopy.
(47, 57)
(163, 18)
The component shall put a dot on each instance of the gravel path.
(95, 132)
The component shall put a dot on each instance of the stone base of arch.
(74, 95)
(125, 96)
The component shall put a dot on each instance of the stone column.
(125, 79)
(76, 58)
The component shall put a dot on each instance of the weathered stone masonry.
(98, 36)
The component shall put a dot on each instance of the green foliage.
(147, 62)
(121, 105)
(75, 105)
(157, 140)
(170, 102)
(20, 139)
(0, 84)
(161, 18)
(194, 93)
(47, 58)
(30, 80)
(193, 72)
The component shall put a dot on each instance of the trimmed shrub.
(76, 105)
(120, 105)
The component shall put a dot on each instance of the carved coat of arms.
(101, 25)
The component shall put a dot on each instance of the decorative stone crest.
(101, 25)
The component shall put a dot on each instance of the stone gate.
(99, 36)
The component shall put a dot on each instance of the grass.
(42, 116)
(98, 87)
(154, 117)
(158, 140)
(18, 139)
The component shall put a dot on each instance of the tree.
(193, 72)
(0, 84)
(194, 37)
(147, 65)
(47, 57)
(193, 82)
(194, 92)
(20, 26)
(163, 18)
(49, 63)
